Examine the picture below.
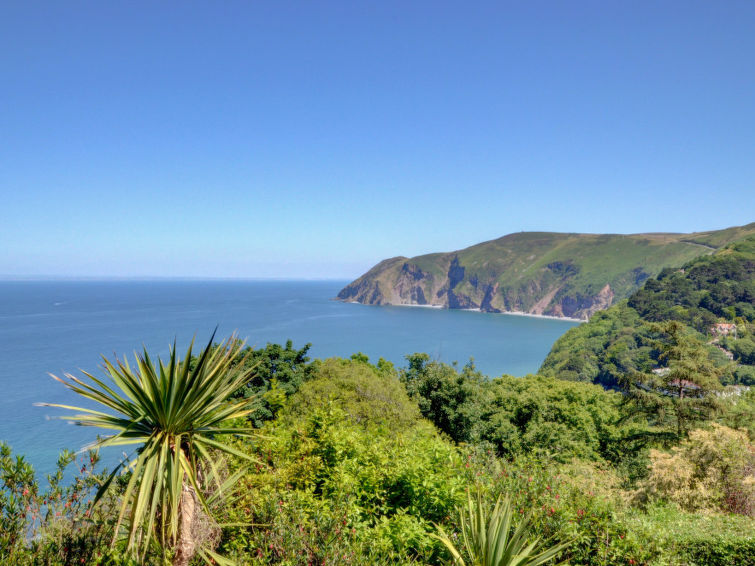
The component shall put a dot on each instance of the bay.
(64, 326)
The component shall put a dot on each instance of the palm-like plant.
(174, 412)
(489, 541)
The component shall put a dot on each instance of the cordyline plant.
(174, 412)
(489, 540)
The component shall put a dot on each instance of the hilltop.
(544, 273)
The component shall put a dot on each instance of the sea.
(58, 327)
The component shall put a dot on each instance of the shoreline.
(520, 313)
(529, 314)
(413, 306)
(512, 313)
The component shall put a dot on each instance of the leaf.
(174, 413)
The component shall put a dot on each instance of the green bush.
(577, 502)
(54, 526)
(347, 454)
(666, 536)
(532, 414)
(451, 400)
(557, 418)
(366, 394)
(279, 371)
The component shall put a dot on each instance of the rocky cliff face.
(410, 285)
(564, 275)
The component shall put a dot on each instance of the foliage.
(346, 471)
(713, 470)
(297, 527)
(16, 495)
(665, 536)
(522, 415)
(536, 420)
(173, 413)
(583, 502)
(721, 286)
(339, 458)
(556, 418)
(681, 392)
(738, 408)
(55, 526)
(367, 394)
(276, 372)
(602, 351)
(577, 501)
(452, 400)
(742, 348)
(744, 375)
(490, 538)
(615, 343)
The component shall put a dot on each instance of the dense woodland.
(622, 340)
(633, 445)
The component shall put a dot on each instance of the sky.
(314, 139)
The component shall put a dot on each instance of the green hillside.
(548, 273)
(709, 290)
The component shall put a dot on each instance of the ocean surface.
(63, 326)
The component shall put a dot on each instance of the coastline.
(519, 313)
(512, 313)
(413, 306)
(532, 315)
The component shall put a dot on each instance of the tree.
(448, 398)
(681, 391)
(279, 372)
(174, 414)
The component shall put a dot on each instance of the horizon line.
(145, 278)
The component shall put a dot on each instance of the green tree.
(174, 413)
(563, 419)
(447, 397)
(349, 473)
(279, 372)
(680, 393)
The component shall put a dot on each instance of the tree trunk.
(186, 514)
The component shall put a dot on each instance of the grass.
(527, 265)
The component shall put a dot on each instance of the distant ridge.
(543, 273)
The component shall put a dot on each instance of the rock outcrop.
(563, 275)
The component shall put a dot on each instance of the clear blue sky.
(312, 139)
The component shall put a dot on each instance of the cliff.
(566, 275)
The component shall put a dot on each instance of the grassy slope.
(514, 260)
(580, 266)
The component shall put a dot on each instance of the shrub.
(365, 394)
(490, 538)
(665, 536)
(352, 469)
(56, 526)
(712, 470)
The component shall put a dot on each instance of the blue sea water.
(64, 326)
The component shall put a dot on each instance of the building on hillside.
(724, 329)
